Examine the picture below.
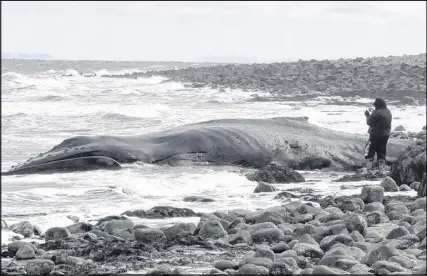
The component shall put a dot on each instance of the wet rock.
(280, 247)
(25, 252)
(80, 227)
(376, 217)
(403, 261)
(355, 222)
(251, 269)
(179, 230)
(265, 262)
(287, 266)
(308, 250)
(306, 238)
(197, 199)
(212, 230)
(356, 236)
(410, 166)
(226, 264)
(373, 236)
(264, 188)
(162, 212)
(372, 194)
(242, 236)
(389, 266)
(56, 233)
(276, 174)
(381, 253)
(399, 128)
(25, 228)
(322, 269)
(397, 232)
(14, 246)
(272, 217)
(360, 269)
(415, 185)
(150, 235)
(267, 235)
(374, 206)
(404, 188)
(115, 225)
(39, 267)
(389, 185)
(74, 219)
(327, 242)
(264, 252)
(264, 225)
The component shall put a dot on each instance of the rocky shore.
(366, 234)
(400, 78)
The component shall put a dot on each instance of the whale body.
(246, 142)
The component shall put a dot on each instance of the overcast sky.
(191, 31)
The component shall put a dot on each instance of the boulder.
(179, 230)
(56, 233)
(212, 230)
(381, 253)
(226, 264)
(410, 166)
(286, 266)
(80, 227)
(242, 236)
(267, 235)
(389, 185)
(397, 232)
(415, 185)
(322, 269)
(150, 235)
(404, 188)
(355, 222)
(308, 250)
(115, 225)
(276, 174)
(25, 252)
(39, 267)
(372, 193)
(25, 228)
(264, 188)
(374, 206)
(14, 246)
(399, 128)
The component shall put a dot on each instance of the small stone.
(397, 232)
(80, 227)
(389, 266)
(267, 235)
(225, 264)
(265, 262)
(179, 230)
(322, 269)
(389, 184)
(264, 225)
(306, 238)
(39, 267)
(373, 236)
(403, 261)
(287, 266)
(74, 219)
(14, 246)
(116, 224)
(280, 247)
(242, 236)
(327, 242)
(264, 253)
(251, 269)
(308, 250)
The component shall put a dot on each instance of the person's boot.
(369, 166)
(381, 167)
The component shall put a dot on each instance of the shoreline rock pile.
(399, 78)
(366, 234)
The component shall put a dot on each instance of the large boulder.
(410, 166)
(264, 188)
(276, 174)
(372, 193)
(25, 228)
(389, 185)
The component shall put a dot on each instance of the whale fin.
(69, 165)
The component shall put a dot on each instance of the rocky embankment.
(401, 78)
(366, 234)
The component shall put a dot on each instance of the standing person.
(379, 123)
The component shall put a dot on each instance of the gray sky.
(191, 31)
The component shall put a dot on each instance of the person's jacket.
(379, 122)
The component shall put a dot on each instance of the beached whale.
(246, 142)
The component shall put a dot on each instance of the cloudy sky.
(232, 31)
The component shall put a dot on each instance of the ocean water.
(45, 102)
